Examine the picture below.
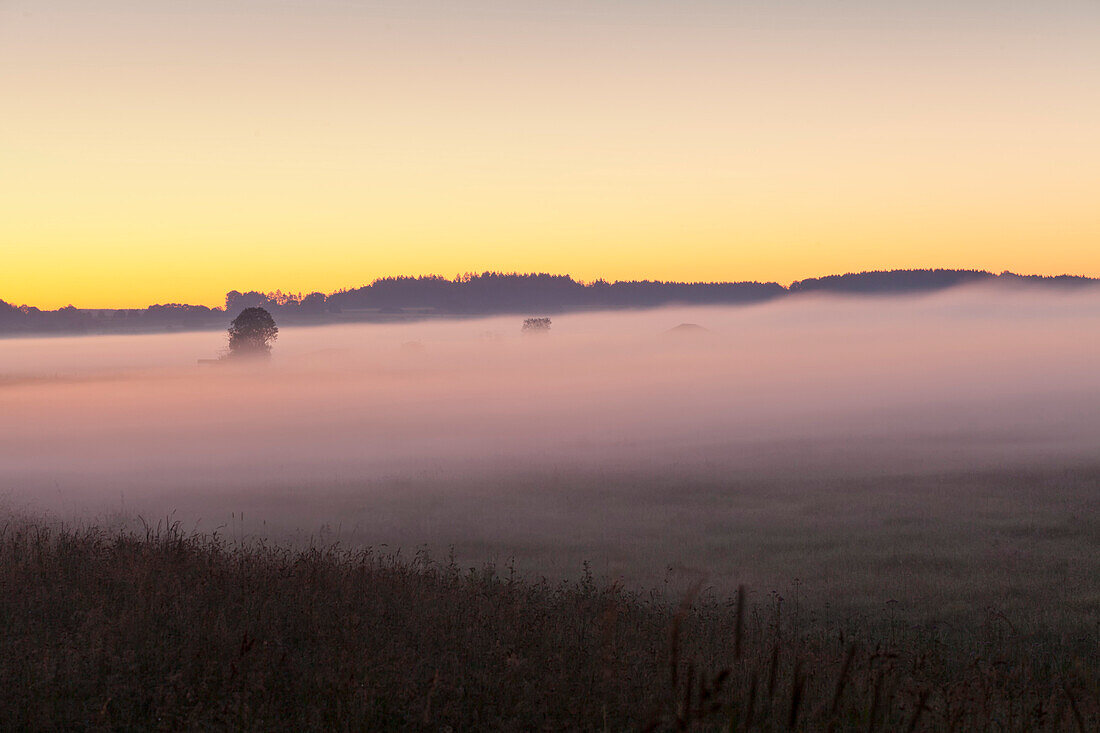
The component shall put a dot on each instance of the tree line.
(491, 293)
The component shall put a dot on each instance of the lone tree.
(536, 325)
(251, 334)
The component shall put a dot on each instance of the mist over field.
(887, 446)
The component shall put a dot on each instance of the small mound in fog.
(688, 330)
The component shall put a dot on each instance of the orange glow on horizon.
(151, 156)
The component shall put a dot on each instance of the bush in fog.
(251, 334)
(536, 325)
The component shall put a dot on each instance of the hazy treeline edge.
(395, 298)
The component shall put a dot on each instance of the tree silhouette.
(251, 334)
(536, 325)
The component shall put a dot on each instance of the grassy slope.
(173, 631)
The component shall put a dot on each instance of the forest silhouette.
(492, 293)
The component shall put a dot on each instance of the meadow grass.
(948, 551)
(163, 629)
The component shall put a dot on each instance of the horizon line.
(470, 275)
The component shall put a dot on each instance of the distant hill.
(409, 298)
(909, 281)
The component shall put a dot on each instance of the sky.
(155, 151)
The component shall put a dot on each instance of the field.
(980, 612)
(170, 631)
(488, 530)
(944, 550)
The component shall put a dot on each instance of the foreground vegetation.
(173, 631)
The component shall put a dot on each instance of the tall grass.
(167, 630)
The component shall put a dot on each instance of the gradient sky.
(156, 151)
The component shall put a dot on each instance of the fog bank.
(810, 386)
(878, 446)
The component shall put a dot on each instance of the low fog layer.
(879, 446)
(970, 378)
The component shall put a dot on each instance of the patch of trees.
(276, 302)
(251, 335)
(169, 316)
(493, 292)
(536, 325)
